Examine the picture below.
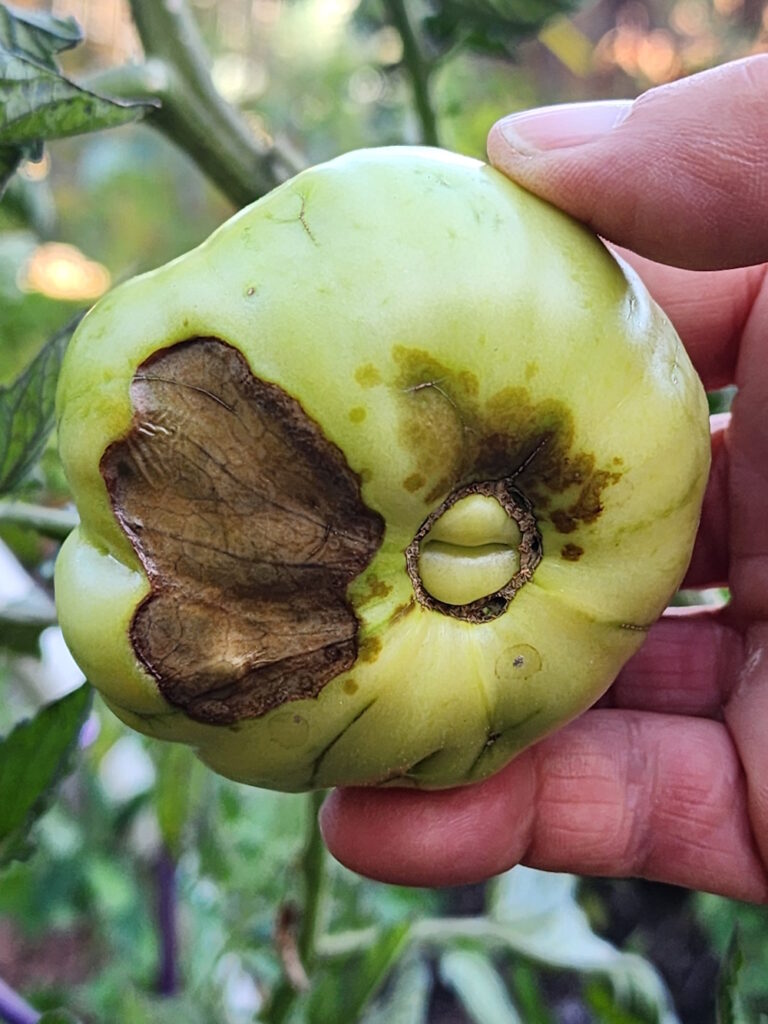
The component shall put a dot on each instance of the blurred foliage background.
(140, 833)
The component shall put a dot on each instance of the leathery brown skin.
(667, 778)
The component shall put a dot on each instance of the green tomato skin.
(352, 287)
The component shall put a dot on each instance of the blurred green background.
(78, 921)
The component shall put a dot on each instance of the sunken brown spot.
(370, 648)
(414, 482)
(368, 376)
(250, 526)
(571, 552)
(374, 590)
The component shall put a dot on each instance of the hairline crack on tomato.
(380, 484)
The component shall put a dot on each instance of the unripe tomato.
(380, 484)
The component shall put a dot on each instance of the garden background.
(134, 885)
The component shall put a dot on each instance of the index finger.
(679, 175)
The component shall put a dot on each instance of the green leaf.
(495, 27)
(721, 400)
(34, 757)
(601, 1001)
(30, 205)
(37, 34)
(478, 987)
(55, 523)
(539, 916)
(10, 158)
(189, 1007)
(38, 103)
(406, 1000)
(343, 990)
(27, 411)
(25, 607)
(22, 622)
(59, 1017)
(528, 994)
(730, 1006)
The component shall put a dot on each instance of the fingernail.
(562, 126)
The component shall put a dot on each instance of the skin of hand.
(667, 777)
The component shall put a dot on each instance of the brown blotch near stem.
(456, 439)
(250, 526)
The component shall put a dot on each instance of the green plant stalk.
(315, 881)
(315, 884)
(419, 69)
(55, 523)
(193, 114)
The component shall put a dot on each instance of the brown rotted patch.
(511, 436)
(250, 526)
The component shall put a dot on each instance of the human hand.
(667, 778)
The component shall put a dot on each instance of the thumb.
(680, 175)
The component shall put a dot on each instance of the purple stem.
(167, 974)
(14, 1009)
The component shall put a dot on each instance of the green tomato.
(380, 484)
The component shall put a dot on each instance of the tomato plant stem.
(314, 877)
(419, 69)
(55, 523)
(192, 113)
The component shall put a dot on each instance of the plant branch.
(432, 932)
(14, 1009)
(168, 31)
(56, 523)
(192, 113)
(419, 69)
